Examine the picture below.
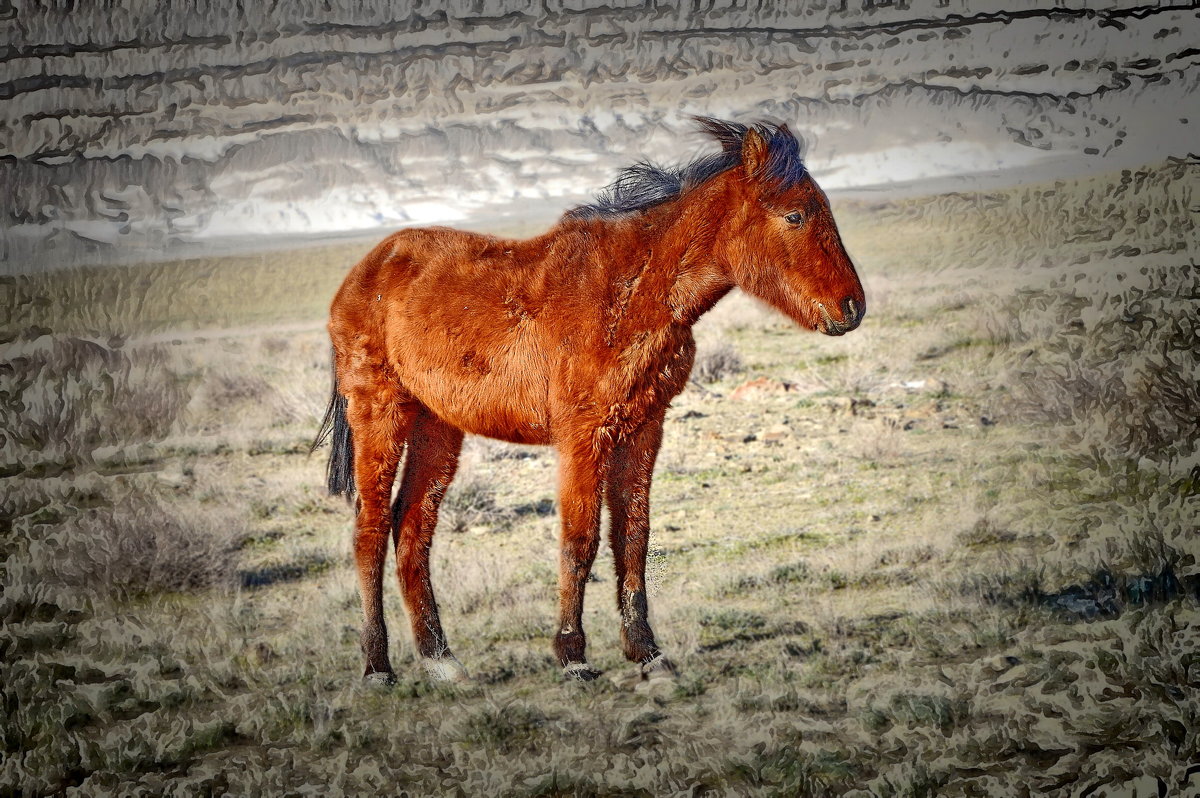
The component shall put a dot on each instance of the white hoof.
(658, 677)
(444, 669)
(379, 680)
(580, 672)
(658, 668)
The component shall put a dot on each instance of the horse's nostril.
(851, 312)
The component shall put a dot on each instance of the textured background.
(128, 130)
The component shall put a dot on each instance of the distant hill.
(125, 133)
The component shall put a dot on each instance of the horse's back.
(452, 315)
(405, 266)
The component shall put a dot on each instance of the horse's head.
(780, 242)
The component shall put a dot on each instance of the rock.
(761, 385)
(928, 385)
(731, 437)
(259, 654)
(1000, 664)
(776, 434)
(177, 477)
(839, 404)
(851, 405)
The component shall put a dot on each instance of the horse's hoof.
(379, 679)
(580, 672)
(659, 668)
(444, 670)
(658, 676)
(650, 676)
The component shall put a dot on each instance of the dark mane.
(645, 185)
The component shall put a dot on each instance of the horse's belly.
(506, 424)
(484, 377)
(489, 405)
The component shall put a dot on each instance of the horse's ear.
(754, 152)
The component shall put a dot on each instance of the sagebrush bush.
(81, 419)
(716, 361)
(471, 502)
(1117, 367)
(140, 546)
(63, 398)
(1108, 362)
(226, 389)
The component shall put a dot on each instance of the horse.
(578, 338)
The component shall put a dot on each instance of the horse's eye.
(794, 218)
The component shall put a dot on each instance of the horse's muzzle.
(852, 314)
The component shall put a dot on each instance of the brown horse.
(577, 338)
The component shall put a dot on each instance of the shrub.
(62, 399)
(138, 546)
(716, 361)
(1106, 363)
(88, 414)
(470, 502)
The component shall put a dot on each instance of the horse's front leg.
(579, 505)
(627, 491)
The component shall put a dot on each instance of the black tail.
(341, 455)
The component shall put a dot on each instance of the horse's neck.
(673, 267)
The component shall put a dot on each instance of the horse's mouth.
(828, 325)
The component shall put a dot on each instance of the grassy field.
(952, 553)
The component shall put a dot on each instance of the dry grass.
(911, 586)
(77, 403)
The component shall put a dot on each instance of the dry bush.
(275, 345)
(139, 546)
(878, 440)
(471, 498)
(62, 399)
(224, 390)
(1109, 367)
(239, 400)
(468, 584)
(1101, 357)
(1120, 367)
(717, 360)
(849, 373)
(73, 407)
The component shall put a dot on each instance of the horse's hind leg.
(433, 449)
(379, 423)
(627, 492)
